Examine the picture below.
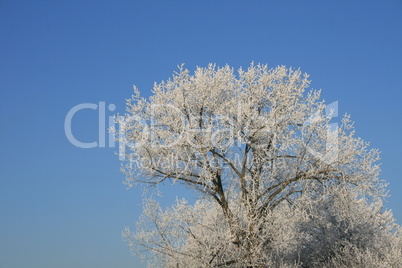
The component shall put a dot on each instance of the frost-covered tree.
(271, 170)
(334, 230)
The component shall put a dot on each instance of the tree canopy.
(279, 183)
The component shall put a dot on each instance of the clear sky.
(63, 206)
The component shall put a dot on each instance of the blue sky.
(63, 206)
